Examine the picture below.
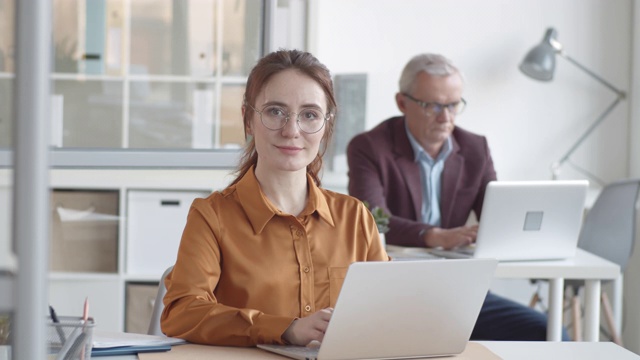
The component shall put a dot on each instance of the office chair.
(158, 306)
(608, 231)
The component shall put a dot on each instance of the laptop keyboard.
(308, 352)
(467, 250)
(294, 351)
(457, 253)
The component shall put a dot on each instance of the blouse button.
(299, 233)
(307, 308)
(306, 269)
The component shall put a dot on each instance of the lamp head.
(540, 62)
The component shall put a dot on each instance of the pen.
(85, 317)
(56, 321)
(85, 312)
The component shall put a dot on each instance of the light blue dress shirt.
(430, 178)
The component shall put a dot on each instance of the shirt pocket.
(336, 278)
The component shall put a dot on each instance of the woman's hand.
(304, 330)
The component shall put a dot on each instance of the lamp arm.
(555, 167)
(621, 94)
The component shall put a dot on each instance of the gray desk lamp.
(540, 64)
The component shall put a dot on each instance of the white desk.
(532, 350)
(584, 266)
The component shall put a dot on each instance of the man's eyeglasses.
(309, 120)
(434, 108)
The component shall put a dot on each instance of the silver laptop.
(402, 310)
(527, 220)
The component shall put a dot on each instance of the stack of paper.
(117, 343)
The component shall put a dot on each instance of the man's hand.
(304, 330)
(451, 238)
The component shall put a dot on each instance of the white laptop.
(528, 220)
(402, 310)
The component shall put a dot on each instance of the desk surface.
(550, 350)
(504, 349)
(583, 266)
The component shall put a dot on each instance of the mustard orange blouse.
(245, 270)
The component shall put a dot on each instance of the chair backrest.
(609, 227)
(158, 306)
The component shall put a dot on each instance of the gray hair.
(432, 64)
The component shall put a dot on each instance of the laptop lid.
(406, 309)
(531, 220)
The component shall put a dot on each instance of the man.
(430, 175)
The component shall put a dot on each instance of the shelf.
(70, 158)
(85, 77)
(89, 276)
(239, 80)
(150, 179)
(151, 279)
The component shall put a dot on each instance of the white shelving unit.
(107, 291)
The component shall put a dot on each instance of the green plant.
(380, 216)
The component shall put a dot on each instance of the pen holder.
(70, 338)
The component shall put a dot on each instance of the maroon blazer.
(382, 171)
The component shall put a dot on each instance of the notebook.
(129, 350)
(401, 310)
(527, 220)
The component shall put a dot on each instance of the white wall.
(529, 124)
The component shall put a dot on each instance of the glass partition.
(171, 115)
(7, 66)
(7, 260)
(151, 74)
(172, 37)
(6, 86)
(231, 125)
(86, 113)
(241, 30)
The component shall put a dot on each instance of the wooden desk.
(584, 266)
(505, 349)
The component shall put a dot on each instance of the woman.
(263, 260)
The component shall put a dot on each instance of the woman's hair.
(260, 75)
(432, 64)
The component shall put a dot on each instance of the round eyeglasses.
(275, 117)
(435, 109)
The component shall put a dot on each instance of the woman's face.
(289, 148)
